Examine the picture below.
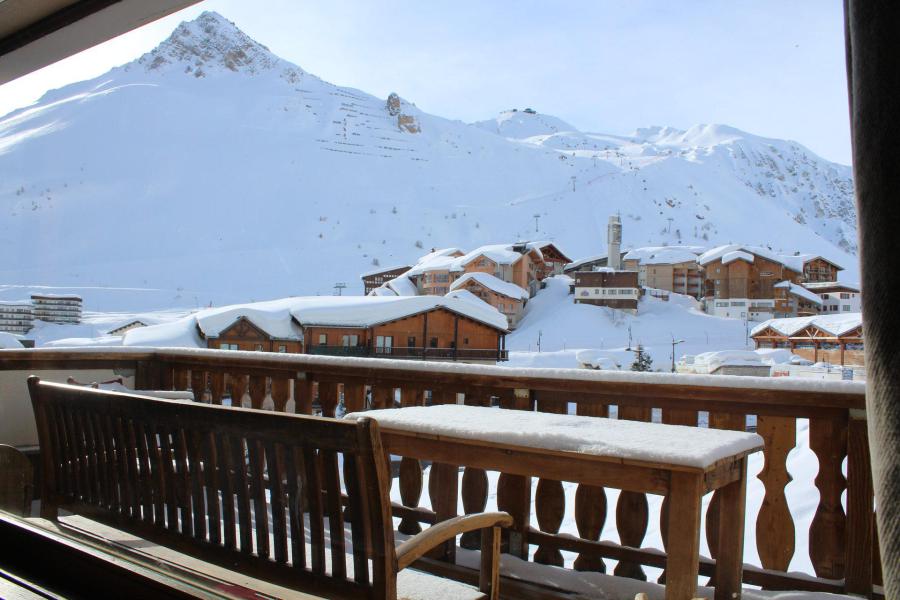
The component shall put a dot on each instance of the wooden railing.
(842, 548)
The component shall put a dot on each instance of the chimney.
(614, 237)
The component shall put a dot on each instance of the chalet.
(670, 268)
(374, 279)
(553, 261)
(606, 287)
(421, 327)
(739, 281)
(836, 297)
(519, 264)
(818, 268)
(835, 339)
(508, 298)
(794, 300)
(247, 333)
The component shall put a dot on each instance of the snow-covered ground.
(565, 328)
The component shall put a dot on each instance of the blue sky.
(773, 68)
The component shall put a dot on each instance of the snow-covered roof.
(730, 257)
(664, 255)
(273, 317)
(441, 260)
(402, 286)
(23, 303)
(634, 440)
(800, 291)
(380, 270)
(366, 311)
(834, 324)
(464, 295)
(836, 285)
(731, 252)
(581, 261)
(728, 358)
(541, 245)
(58, 296)
(495, 284)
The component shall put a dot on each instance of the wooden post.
(683, 557)
(828, 440)
(514, 491)
(860, 508)
(730, 542)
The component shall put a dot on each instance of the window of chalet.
(323, 339)
(282, 348)
(411, 341)
(348, 341)
(383, 344)
(433, 342)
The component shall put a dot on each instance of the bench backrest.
(237, 487)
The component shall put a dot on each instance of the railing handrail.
(796, 397)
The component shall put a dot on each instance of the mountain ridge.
(258, 179)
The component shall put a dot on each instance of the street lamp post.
(674, 343)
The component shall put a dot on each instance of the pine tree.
(642, 360)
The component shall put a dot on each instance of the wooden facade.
(511, 307)
(554, 261)
(375, 279)
(820, 269)
(817, 344)
(243, 334)
(746, 289)
(615, 289)
(439, 334)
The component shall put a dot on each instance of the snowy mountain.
(212, 171)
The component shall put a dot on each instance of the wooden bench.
(248, 490)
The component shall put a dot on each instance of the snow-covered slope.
(210, 170)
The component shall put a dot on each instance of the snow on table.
(629, 440)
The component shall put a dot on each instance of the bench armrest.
(417, 546)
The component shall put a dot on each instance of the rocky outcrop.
(405, 122)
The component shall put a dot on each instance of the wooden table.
(685, 485)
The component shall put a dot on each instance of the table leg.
(730, 542)
(683, 553)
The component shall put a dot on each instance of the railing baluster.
(474, 483)
(382, 396)
(632, 511)
(354, 396)
(719, 420)
(590, 500)
(860, 508)
(198, 384)
(216, 386)
(303, 395)
(238, 388)
(328, 397)
(672, 416)
(828, 439)
(411, 469)
(550, 497)
(774, 524)
(257, 390)
(514, 491)
(281, 392)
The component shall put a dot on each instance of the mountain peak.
(207, 44)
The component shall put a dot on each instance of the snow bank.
(9, 341)
(634, 440)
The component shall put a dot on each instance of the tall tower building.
(614, 236)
